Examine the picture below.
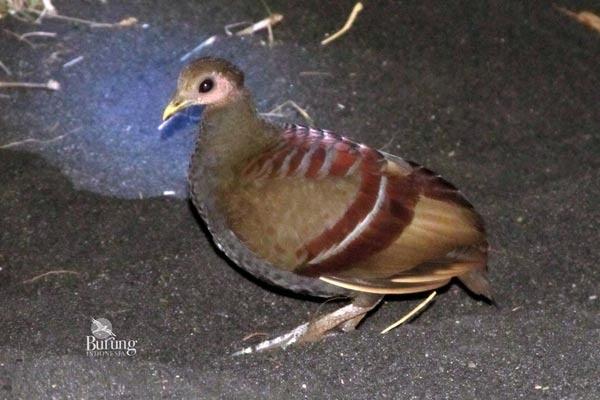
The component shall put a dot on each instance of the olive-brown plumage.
(314, 212)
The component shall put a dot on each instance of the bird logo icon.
(102, 328)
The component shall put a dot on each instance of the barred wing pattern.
(323, 206)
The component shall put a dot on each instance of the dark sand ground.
(499, 97)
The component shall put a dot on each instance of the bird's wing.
(321, 205)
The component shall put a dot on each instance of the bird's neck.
(230, 135)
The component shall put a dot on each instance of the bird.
(99, 327)
(316, 213)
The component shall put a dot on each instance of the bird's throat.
(230, 135)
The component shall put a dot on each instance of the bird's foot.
(345, 318)
(282, 341)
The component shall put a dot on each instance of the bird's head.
(206, 82)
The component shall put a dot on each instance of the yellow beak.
(174, 107)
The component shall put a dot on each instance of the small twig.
(38, 33)
(411, 314)
(55, 56)
(586, 18)
(23, 18)
(5, 69)
(55, 272)
(271, 20)
(49, 7)
(206, 43)
(389, 142)
(270, 35)
(266, 23)
(228, 27)
(74, 61)
(315, 73)
(251, 335)
(23, 37)
(269, 27)
(50, 85)
(16, 35)
(358, 7)
(125, 22)
(272, 114)
(275, 112)
(32, 140)
(41, 16)
(55, 126)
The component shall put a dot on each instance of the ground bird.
(314, 212)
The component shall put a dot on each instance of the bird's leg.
(347, 318)
(365, 300)
(351, 324)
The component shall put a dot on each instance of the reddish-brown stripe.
(297, 159)
(316, 161)
(356, 212)
(364, 202)
(250, 168)
(437, 187)
(278, 160)
(395, 214)
(255, 165)
(342, 162)
(373, 160)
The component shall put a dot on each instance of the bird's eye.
(206, 86)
